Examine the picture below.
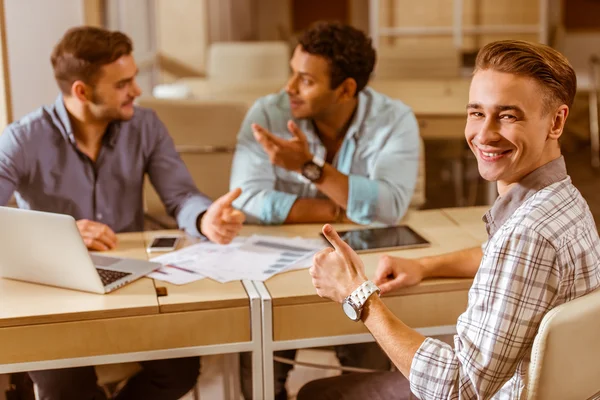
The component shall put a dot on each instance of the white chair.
(246, 61)
(418, 199)
(205, 135)
(564, 359)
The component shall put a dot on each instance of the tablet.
(383, 239)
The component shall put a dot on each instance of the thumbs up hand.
(221, 223)
(336, 272)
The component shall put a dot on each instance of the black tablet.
(383, 239)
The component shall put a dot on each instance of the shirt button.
(99, 216)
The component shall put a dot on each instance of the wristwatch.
(313, 169)
(354, 303)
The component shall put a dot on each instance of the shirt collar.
(63, 118)
(505, 206)
(109, 138)
(359, 115)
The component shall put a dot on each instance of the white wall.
(33, 27)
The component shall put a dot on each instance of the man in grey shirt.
(86, 156)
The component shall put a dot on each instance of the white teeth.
(490, 154)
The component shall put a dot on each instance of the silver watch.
(354, 303)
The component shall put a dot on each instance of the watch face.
(312, 171)
(350, 311)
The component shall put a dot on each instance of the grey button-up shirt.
(40, 162)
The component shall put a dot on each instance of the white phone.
(163, 243)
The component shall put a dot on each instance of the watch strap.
(319, 161)
(363, 292)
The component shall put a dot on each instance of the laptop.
(47, 248)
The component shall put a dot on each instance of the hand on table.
(395, 272)
(96, 236)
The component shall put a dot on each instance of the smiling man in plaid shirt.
(543, 248)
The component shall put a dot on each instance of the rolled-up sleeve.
(253, 172)
(516, 285)
(11, 164)
(172, 180)
(384, 196)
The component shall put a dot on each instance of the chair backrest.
(419, 198)
(243, 61)
(205, 135)
(564, 358)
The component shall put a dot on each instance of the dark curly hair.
(349, 51)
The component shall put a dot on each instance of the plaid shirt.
(543, 250)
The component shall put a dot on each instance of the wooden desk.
(225, 304)
(295, 317)
(221, 317)
(66, 328)
(469, 218)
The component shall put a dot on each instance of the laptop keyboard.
(107, 276)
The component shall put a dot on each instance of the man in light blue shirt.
(326, 149)
(369, 142)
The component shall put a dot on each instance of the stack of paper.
(254, 258)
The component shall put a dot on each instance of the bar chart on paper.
(253, 258)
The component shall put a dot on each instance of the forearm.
(459, 264)
(398, 341)
(334, 185)
(305, 211)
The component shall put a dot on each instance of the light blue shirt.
(380, 155)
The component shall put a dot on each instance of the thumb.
(383, 271)
(298, 134)
(227, 199)
(336, 241)
(394, 284)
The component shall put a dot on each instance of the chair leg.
(230, 368)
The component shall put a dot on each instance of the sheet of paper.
(254, 258)
(185, 265)
(175, 274)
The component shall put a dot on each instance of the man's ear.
(347, 89)
(558, 122)
(81, 91)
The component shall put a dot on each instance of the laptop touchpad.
(101, 261)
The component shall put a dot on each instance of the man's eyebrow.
(130, 78)
(509, 107)
(499, 108)
(476, 106)
(306, 74)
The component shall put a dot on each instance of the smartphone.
(163, 243)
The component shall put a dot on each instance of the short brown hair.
(348, 50)
(81, 53)
(544, 64)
